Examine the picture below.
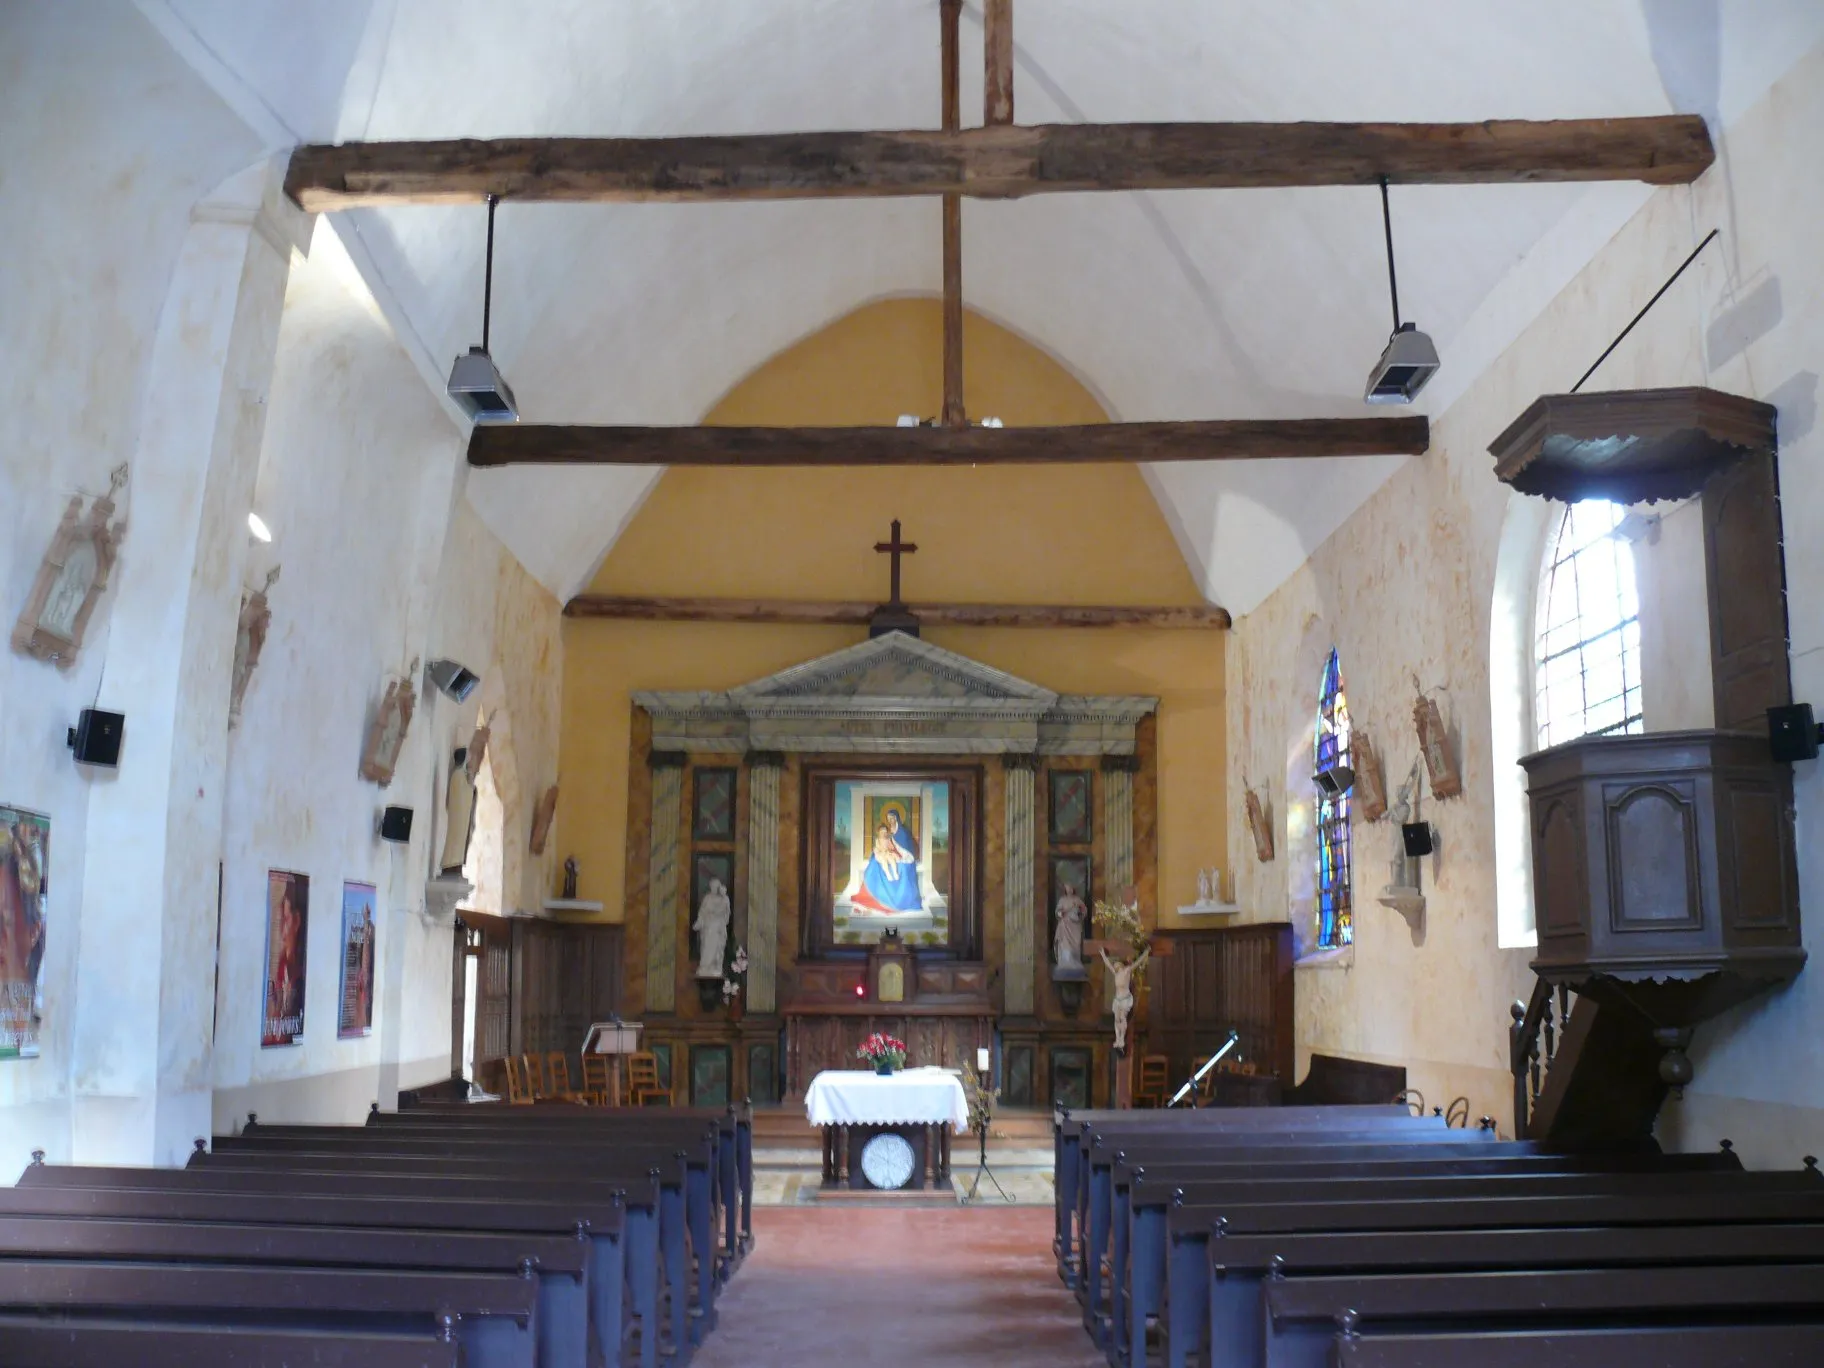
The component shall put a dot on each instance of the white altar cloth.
(918, 1097)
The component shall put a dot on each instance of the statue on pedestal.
(1067, 939)
(711, 925)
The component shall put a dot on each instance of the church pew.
(1184, 1272)
(694, 1142)
(1242, 1262)
(1701, 1346)
(685, 1221)
(1067, 1127)
(736, 1124)
(622, 1229)
(1093, 1221)
(1197, 1234)
(1507, 1158)
(492, 1317)
(66, 1343)
(1302, 1315)
(559, 1262)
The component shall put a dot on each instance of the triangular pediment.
(894, 666)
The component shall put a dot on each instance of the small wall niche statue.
(71, 579)
(1260, 825)
(386, 734)
(249, 642)
(1067, 939)
(711, 926)
(1370, 780)
(570, 879)
(1434, 745)
(542, 816)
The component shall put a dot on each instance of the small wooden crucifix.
(893, 616)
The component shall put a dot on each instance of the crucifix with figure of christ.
(893, 615)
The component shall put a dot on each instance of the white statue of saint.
(711, 926)
(1067, 940)
(1123, 1005)
(1203, 886)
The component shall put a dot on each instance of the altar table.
(886, 1130)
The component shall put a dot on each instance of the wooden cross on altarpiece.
(893, 615)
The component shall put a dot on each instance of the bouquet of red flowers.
(886, 1053)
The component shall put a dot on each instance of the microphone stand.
(1190, 1086)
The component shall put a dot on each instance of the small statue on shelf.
(570, 879)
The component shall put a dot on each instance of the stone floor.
(899, 1288)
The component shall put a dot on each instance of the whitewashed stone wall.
(1405, 587)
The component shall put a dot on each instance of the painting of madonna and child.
(890, 856)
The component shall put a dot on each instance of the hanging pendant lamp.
(475, 381)
(1410, 359)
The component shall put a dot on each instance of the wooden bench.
(524, 1224)
(1303, 1316)
(1198, 1235)
(491, 1317)
(1333, 1079)
(1762, 1346)
(686, 1221)
(73, 1343)
(621, 1226)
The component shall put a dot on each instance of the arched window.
(1335, 915)
(1587, 641)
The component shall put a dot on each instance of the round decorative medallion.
(887, 1161)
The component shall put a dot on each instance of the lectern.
(615, 1039)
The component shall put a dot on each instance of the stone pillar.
(763, 880)
(662, 882)
(1118, 819)
(1017, 981)
(142, 1065)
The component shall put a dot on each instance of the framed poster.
(287, 925)
(356, 1015)
(25, 864)
(1071, 794)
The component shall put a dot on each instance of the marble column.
(141, 1056)
(1017, 899)
(662, 882)
(763, 880)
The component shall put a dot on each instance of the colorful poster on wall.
(356, 1017)
(287, 924)
(25, 864)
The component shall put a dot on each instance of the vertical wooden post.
(954, 414)
(997, 62)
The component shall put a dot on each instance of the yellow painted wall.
(1042, 534)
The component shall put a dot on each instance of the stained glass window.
(1335, 916)
(1587, 646)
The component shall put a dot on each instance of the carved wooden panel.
(816, 1043)
(1746, 579)
(1235, 978)
(1016, 1076)
(1653, 861)
(1558, 867)
(1070, 1076)
(1761, 872)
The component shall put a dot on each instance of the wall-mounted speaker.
(1417, 838)
(1793, 733)
(96, 737)
(396, 824)
(1337, 779)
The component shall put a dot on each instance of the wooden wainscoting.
(1233, 977)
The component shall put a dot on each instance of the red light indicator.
(860, 991)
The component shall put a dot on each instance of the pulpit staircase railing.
(1588, 1071)
(1533, 1044)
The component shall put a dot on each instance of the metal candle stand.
(981, 1134)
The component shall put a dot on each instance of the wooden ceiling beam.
(999, 161)
(801, 612)
(505, 444)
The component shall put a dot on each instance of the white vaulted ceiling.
(1204, 304)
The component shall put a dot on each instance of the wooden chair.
(643, 1085)
(519, 1089)
(557, 1079)
(1151, 1081)
(596, 1087)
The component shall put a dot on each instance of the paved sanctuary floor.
(899, 1288)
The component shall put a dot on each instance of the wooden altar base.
(930, 1143)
